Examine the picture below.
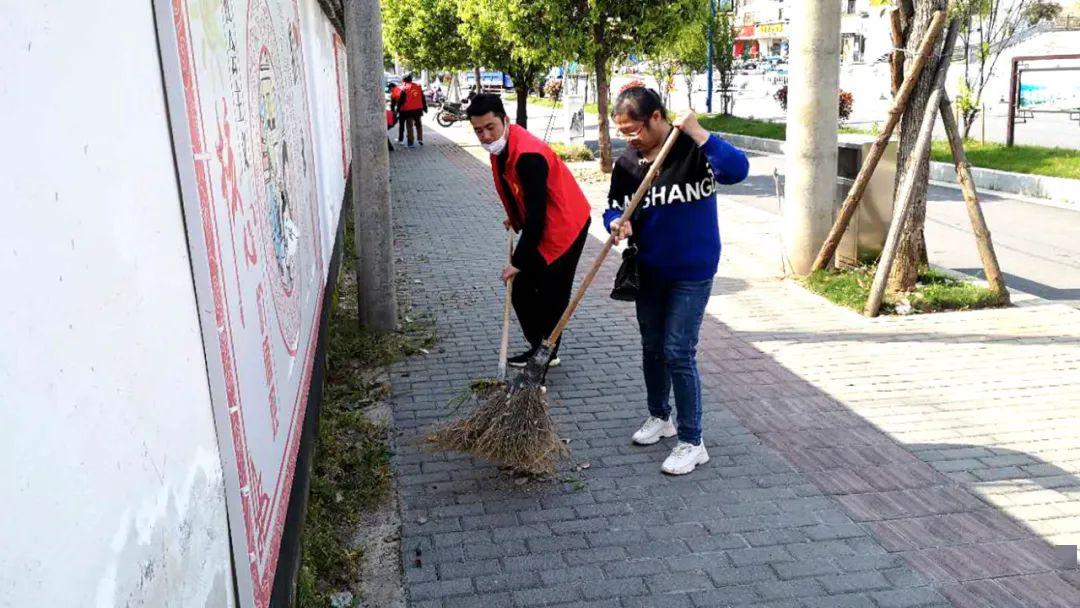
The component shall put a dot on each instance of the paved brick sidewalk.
(912, 462)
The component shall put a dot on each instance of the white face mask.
(496, 147)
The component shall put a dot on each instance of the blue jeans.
(669, 315)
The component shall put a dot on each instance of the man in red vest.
(395, 102)
(411, 108)
(545, 204)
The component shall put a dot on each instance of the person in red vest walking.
(545, 204)
(395, 102)
(411, 108)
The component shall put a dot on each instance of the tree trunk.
(476, 73)
(523, 77)
(522, 119)
(969, 121)
(371, 205)
(601, 61)
(911, 252)
(689, 88)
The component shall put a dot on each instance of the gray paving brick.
(918, 597)
(502, 549)
(759, 555)
(622, 587)
(728, 596)
(508, 581)
(469, 569)
(441, 589)
(577, 573)
(805, 568)
(545, 596)
(519, 532)
(597, 555)
(534, 562)
(805, 587)
(847, 583)
(698, 561)
(678, 581)
(847, 600)
(741, 575)
(660, 600)
(557, 543)
(487, 600)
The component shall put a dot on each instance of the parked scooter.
(450, 113)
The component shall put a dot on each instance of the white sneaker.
(684, 458)
(555, 362)
(653, 429)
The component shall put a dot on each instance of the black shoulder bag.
(628, 278)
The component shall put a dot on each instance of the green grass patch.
(351, 472)
(935, 291)
(1035, 160)
(571, 153)
(547, 102)
(744, 126)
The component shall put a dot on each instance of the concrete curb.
(755, 144)
(1058, 191)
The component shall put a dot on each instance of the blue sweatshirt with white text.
(675, 227)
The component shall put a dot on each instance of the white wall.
(110, 479)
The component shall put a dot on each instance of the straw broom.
(512, 424)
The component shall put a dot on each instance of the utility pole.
(708, 76)
(370, 166)
(812, 125)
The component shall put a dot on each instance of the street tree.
(987, 28)
(1042, 10)
(724, 59)
(424, 34)
(686, 52)
(614, 29)
(523, 38)
(911, 252)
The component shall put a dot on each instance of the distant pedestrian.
(412, 107)
(395, 107)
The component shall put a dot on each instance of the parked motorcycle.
(450, 113)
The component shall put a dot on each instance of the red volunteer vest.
(412, 97)
(567, 208)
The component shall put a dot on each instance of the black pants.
(540, 297)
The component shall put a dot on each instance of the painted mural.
(261, 206)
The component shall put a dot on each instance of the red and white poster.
(261, 193)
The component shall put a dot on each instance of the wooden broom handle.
(504, 342)
(628, 212)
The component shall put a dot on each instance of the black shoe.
(520, 360)
(421, 142)
(523, 359)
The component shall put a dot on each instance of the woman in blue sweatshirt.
(677, 235)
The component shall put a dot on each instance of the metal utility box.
(865, 237)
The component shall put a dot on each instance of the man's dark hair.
(484, 103)
(407, 78)
(638, 103)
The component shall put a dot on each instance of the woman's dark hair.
(639, 103)
(484, 103)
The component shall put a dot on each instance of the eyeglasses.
(633, 135)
